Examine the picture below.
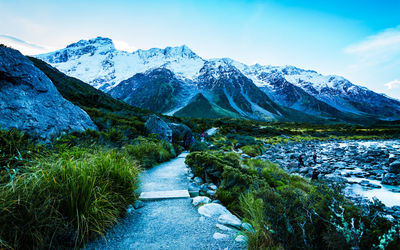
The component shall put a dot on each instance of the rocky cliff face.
(157, 90)
(30, 102)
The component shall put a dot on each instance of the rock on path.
(167, 223)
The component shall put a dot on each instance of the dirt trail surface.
(166, 223)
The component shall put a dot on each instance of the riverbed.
(360, 165)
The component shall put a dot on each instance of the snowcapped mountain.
(97, 62)
(173, 79)
(218, 85)
(335, 91)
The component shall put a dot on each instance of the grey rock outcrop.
(30, 102)
(181, 134)
(155, 125)
(171, 132)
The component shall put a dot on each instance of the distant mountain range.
(176, 81)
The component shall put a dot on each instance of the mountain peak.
(98, 42)
(181, 51)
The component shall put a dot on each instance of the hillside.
(105, 111)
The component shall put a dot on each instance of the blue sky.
(359, 40)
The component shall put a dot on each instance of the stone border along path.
(172, 222)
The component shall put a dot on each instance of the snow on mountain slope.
(333, 90)
(97, 62)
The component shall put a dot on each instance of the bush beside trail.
(288, 211)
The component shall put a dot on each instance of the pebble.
(212, 186)
(200, 200)
(210, 193)
(223, 228)
(241, 238)
(220, 236)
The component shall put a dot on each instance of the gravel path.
(168, 223)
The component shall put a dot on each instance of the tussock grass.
(259, 236)
(66, 199)
(150, 153)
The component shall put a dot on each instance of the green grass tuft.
(67, 199)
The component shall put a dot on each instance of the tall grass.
(258, 235)
(150, 152)
(66, 199)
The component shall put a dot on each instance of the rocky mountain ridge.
(228, 84)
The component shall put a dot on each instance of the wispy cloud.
(388, 38)
(121, 45)
(24, 47)
(393, 84)
(383, 47)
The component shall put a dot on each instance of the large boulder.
(394, 167)
(155, 125)
(181, 134)
(30, 102)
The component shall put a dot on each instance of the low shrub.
(209, 166)
(242, 140)
(198, 146)
(150, 152)
(287, 211)
(253, 150)
(114, 135)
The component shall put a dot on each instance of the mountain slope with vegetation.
(107, 112)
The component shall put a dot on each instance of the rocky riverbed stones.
(391, 179)
(358, 163)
